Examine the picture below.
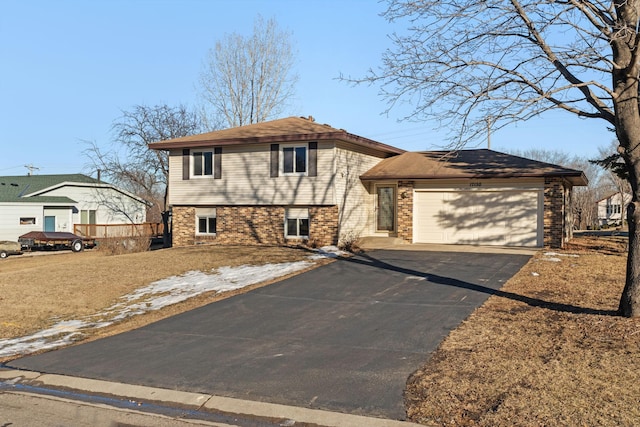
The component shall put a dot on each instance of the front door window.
(386, 208)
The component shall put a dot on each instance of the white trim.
(192, 163)
(304, 145)
(296, 213)
(206, 213)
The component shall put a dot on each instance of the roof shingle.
(15, 188)
(281, 130)
(474, 164)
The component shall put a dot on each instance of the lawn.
(54, 290)
(547, 351)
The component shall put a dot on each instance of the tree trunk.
(630, 300)
(627, 124)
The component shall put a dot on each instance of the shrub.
(349, 241)
(124, 245)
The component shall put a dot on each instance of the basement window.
(206, 221)
(297, 223)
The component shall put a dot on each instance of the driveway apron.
(343, 337)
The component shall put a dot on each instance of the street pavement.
(343, 337)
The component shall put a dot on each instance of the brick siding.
(405, 210)
(323, 225)
(254, 225)
(554, 212)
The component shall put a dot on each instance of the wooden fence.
(103, 231)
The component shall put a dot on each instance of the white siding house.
(610, 208)
(57, 202)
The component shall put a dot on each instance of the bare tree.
(463, 61)
(131, 165)
(584, 199)
(248, 80)
(556, 157)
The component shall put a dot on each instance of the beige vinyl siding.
(246, 180)
(355, 202)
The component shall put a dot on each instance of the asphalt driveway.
(343, 337)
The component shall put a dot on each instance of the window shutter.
(313, 159)
(185, 163)
(217, 163)
(275, 156)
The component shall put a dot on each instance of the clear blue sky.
(68, 69)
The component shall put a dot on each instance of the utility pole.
(488, 119)
(31, 168)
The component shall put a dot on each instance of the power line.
(12, 167)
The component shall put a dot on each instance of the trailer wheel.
(77, 246)
(3, 254)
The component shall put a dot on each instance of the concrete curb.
(197, 400)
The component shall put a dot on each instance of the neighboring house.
(610, 208)
(291, 179)
(57, 202)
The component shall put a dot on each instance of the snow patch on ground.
(157, 295)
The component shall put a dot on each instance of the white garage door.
(511, 218)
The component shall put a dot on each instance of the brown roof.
(475, 164)
(281, 130)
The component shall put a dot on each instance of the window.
(614, 209)
(202, 163)
(300, 159)
(297, 222)
(88, 219)
(88, 216)
(294, 159)
(206, 221)
(27, 221)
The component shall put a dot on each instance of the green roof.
(15, 188)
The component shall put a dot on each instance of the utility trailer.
(47, 240)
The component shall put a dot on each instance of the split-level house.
(610, 208)
(293, 179)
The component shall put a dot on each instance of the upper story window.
(202, 163)
(294, 159)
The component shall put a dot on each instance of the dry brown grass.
(548, 351)
(38, 291)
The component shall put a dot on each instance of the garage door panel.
(477, 217)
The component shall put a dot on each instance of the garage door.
(512, 218)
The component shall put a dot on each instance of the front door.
(49, 223)
(386, 208)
